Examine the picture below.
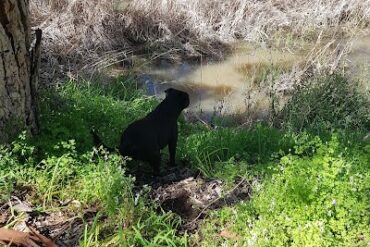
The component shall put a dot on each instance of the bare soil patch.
(193, 197)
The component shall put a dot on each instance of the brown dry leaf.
(229, 235)
(27, 239)
(16, 237)
(37, 236)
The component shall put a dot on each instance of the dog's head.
(182, 98)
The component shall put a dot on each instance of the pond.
(251, 81)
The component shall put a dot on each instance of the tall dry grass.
(90, 33)
(247, 19)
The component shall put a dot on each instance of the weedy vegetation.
(308, 166)
(313, 181)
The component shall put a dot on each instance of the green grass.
(254, 146)
(310, 181)
(317, 200)
(70, 112)
(94, 179)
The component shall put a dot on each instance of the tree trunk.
(18, 71)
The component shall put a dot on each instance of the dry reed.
(89, 34)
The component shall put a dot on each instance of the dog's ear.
(168, 91)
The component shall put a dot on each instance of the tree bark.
(18, 71)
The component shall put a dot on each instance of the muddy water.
(359, 62)
(240, 87)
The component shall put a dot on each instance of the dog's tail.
(98, 142)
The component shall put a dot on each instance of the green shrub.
(316, 200)
(327, 103)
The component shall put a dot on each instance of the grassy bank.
(309, 178)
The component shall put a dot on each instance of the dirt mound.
(191, 198)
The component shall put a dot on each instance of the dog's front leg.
(172, 148)
(155, 162)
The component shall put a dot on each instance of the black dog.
(144, 138)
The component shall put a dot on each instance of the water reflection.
(239, 86)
